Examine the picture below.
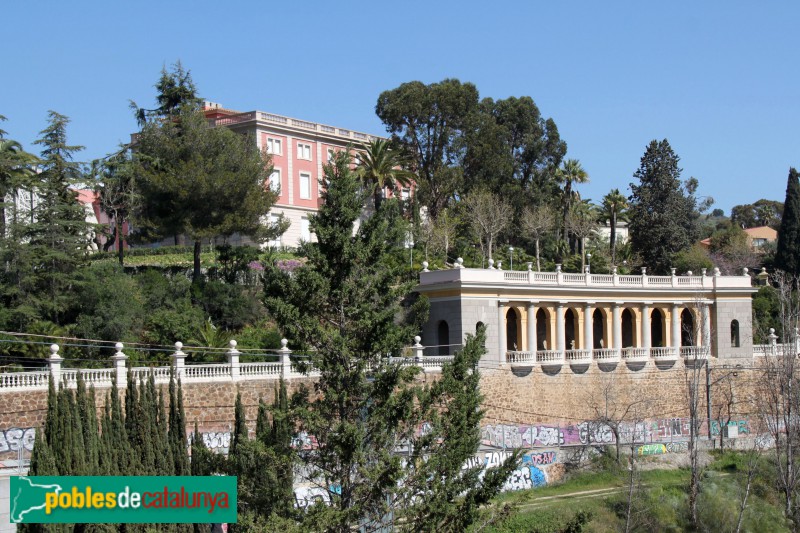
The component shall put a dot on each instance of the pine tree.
(56, 235)
(787, 256)
(344, 306)
(663, 211)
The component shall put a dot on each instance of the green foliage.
(787, 256)
(234, 261)
(430, 122)
(766, 314)
(229, 306)
(692, 259)
(45, 245)
(184, 162)
(760, 213)
(663, 211)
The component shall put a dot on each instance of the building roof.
(762, 232)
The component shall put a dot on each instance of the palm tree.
(16, 166)
(570, 172)
(613, 209)
(380, 166)
(582, 222)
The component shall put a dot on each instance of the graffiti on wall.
(507, 436)
(13, 439)
(742, 425)
(216, 441)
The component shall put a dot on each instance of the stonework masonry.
(562, 395)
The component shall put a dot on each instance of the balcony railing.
(604, 355)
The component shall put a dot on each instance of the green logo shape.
(122, 499)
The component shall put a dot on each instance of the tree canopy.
(663, 210)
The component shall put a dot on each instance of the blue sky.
(718, 79)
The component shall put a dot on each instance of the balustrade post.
(119, 360)
(179, 361)
(644, 277)
(587, 275)
(286, 362)
(614, 277)
(55, 364)
(773, 341)
(674, 277)
(530, 273)
(416, 349)
(233, 361)
(559, 275)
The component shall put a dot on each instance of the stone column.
(55, 365)
(119, 359)
(233, 361)
(286, 362)
(501, 331)
(178, 361)
(417, 349)
(559, 344)
(532, 327)
(705, 318)
(616, 321)
(676, 327)
(646, 342)
(588, 326)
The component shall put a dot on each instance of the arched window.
(627, 328)
(541, 330)
(598, 327)
(512, 343)
(569, 330)
(735, 334)
(443, 338)
(657, 328)
(687, 328)
(478, 326)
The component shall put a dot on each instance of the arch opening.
(735, 341)
(657, 328)
(598, 328)
(443, 338)
(687, 328)
(512, 342)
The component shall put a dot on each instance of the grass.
(661, 501)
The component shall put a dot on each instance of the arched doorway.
(656, 328)
(627, 328)
(687, 328)
(598, 328)
(443, 338)
(512, 341)
(569, 330)
(735, 343)
(541, 330)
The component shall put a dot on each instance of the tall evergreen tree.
(57, 235)
(345, 305)
(663, 211)
(787, 256)
(239, 424)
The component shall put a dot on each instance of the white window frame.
(306, 196)
(272, 143)
(331, 154)
(304, 151)
(275, 184)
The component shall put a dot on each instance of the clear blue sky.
(720, 80)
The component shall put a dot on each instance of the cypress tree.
(177, 429)
(239, 424)
(79, 466)
(263, 427)
(165, 465)
(787, 256)
(51, 419)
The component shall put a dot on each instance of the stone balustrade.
(605, 355)
(99, 378)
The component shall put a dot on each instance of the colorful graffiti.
(652, 449)
(742, 425)
(507, 436)
(13, 439)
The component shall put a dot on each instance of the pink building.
(299, 149)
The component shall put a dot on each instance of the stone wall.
(511, 396)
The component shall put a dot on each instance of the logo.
(122, 499)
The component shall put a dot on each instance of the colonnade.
(697, 332)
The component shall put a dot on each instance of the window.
(275, 181)
(305, 186)
(405, 194)
(305, 230)
(274, 146)
(276, 242)
(304, 151)
(331, 154)
(735, 334)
